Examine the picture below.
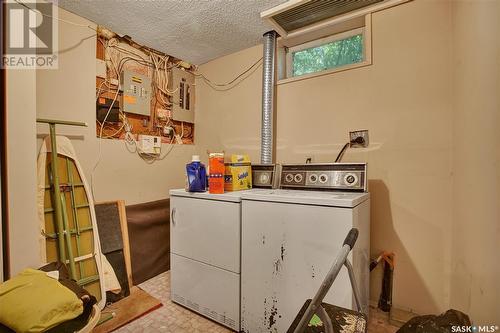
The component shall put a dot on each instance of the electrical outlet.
(359, 139)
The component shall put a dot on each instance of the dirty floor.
(173, 318)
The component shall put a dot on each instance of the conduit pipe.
(268, 90)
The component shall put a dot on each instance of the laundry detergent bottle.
(196, 175)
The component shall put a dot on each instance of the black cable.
(358, 141)
(341, 152)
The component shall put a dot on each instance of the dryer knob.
(350, 179)
(313, 178)
(323, 178)
(264, 178)
(298, 178)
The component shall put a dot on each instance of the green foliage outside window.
(331, 55)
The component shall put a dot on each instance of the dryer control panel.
(266, 175)
(325, 176)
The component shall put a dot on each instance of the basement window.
(340, 51)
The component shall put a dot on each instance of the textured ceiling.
(192, 30)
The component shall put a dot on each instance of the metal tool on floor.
(68, 223)
(385, 300)
(316, 316)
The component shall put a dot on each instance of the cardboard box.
(217, 170)
(238, 174)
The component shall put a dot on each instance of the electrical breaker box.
(105, 106)
(183, 85)
(149, 144)
(136, 93)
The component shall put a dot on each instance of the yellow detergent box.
(238, 173)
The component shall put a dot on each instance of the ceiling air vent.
(296, 15)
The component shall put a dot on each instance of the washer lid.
(227, 196)
(322, 198)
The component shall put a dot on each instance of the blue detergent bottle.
(196, 175)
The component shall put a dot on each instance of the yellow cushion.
(34, 302)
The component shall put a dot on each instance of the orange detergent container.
(216, 173)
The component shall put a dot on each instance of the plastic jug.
(196, 175)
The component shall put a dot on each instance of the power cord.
(359, 141)
(341, 152)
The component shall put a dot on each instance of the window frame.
(285, 65)
(320, 42)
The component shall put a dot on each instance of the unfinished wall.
(21, 169)
(476, 160)
(69, 93)
(404, 99)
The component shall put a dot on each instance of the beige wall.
(404, 99)
(21, 170)
(68, 93)
(230, 120)
(476, 160)
(424, 117)
(431, 103)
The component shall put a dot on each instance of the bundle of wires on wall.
(134, 147)
(234, 82)
(115, 62)
(159, 66)
(119, 54)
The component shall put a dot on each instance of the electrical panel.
(105, 106)
(136, 93)
(183, 97)
(149, 144)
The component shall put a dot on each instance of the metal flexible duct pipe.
(268, 86)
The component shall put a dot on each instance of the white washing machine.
(205, 231)
(290, 238)
(205, 254)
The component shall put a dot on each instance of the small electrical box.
(136, 93)
(149, 144)
(183, 85)
(103, 106)
(101, 70)
(168, 131)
